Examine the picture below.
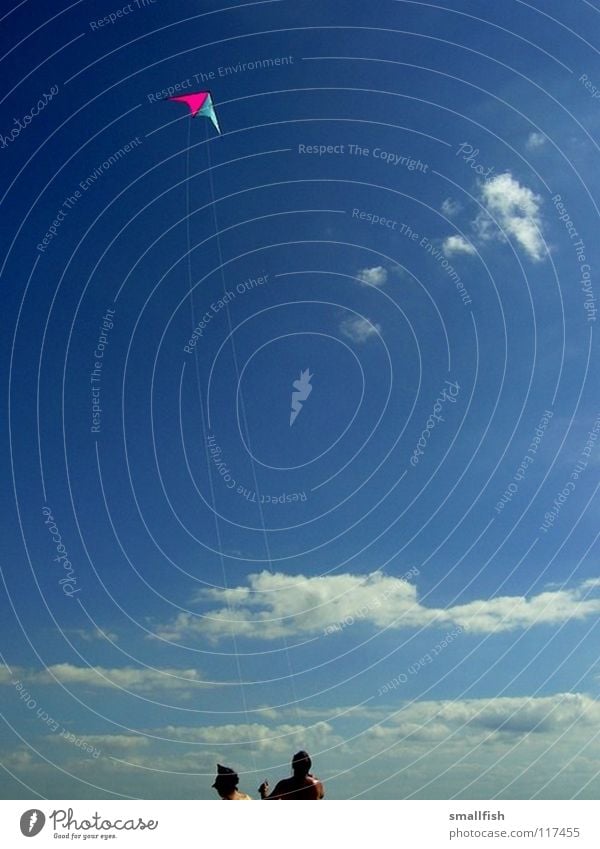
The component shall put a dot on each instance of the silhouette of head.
(301, 764)
(226, 781)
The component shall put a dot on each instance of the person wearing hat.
(301, 785)
(226, 784)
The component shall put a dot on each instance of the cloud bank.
(275, 605)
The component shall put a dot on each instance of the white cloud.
(451, 207)
(274, 738)
(535, 141)
(276, 605)
(122, 742)
(505, 747)
(91, 634)
(359, 329)
(6, 677)
(400, 272)
(376, 276)
(521, 714)
(19, 759)
(456, 725)
(457, 245)
(183, 767)
(517, 212)
(139, 680)
(502, 720)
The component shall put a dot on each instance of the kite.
(200, 104)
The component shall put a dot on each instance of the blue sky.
(403, 202)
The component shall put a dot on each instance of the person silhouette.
(301, 785)
(226, 784)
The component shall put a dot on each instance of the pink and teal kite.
(200, 104)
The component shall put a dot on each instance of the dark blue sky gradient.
(147, 520)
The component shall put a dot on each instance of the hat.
(224, 772)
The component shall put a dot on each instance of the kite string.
(243, 410)
(204, 439)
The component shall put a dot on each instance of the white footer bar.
(370, 824)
